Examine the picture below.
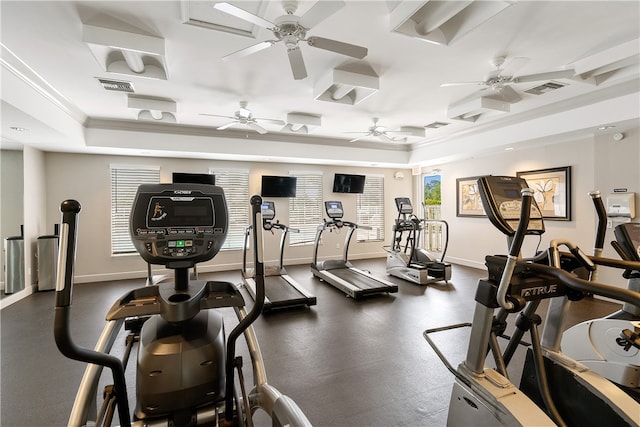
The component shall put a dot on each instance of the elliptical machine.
(554, 390)
(405, 259)
(185, 367)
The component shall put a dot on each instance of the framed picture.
(552, 191)
(468, 201)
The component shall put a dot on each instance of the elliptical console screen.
(404, 205)
(178, 225)
(334, 209)
(502, 200)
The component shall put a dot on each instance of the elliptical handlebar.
(256, 214)
(602, 222)
(514, 250)
(61, 331)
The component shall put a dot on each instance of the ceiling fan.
(382, 133)
(291, 30)
(498, 81)
(244, 117)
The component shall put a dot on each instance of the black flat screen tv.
(193, 178)
(278, 186)
(346, 183)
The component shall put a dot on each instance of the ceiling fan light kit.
(244, 117)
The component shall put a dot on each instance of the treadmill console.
(178, 225)
(404, 205)
(502, 199)
(268, 210)
(334, 209)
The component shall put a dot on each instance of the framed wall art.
(468, 201)
(551, 190)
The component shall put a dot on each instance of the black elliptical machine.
(185, 367)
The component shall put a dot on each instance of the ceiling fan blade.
(360, 137)
(338, 47)
(271, 121)
(511, 65)
(386, 137)
(544, 76)
(257, 127)
(217, 115)
(297, 63)
(228, 125)
(319, 12)
(477, 83)
(249, 50)
(244, 15)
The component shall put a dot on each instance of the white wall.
(86, 179)
(597, 163)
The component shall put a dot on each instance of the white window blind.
(370, 207)
(305, 210)
(235, 183)
(124, 185)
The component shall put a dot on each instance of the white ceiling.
(50, 87)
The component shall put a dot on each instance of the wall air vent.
(116, 85)
(544, 88)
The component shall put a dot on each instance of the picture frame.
(551, 190)
(468, 201)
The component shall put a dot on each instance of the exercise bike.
(597, 343)
(185, 361)
(405, 259)
(554, 389)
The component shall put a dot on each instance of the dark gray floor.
(345, 362)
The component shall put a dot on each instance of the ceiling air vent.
(544, 88)
(436, 125)
(116, 85)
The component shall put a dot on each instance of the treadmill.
(340, 273)
(281, 290)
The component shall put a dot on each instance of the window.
(235, 183)
(305, 210)
(370, 207)
(124, 185)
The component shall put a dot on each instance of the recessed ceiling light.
(18, 129)
(606, 127)
(508, 149)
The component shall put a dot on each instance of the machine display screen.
(334, 209)
(166, 211)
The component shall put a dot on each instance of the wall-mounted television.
(346, 183)
(278, 186)
(193, 178)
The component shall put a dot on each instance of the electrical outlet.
(609, 223)
(337, 245)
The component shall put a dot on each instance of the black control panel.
(334, 209)
(178, 225)
(404, 205)
(502, 200)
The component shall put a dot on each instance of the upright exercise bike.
(185, 362)
(554, 389)
(405, 258)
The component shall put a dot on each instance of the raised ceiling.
(54, 52)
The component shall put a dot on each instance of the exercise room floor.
(345, 362)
